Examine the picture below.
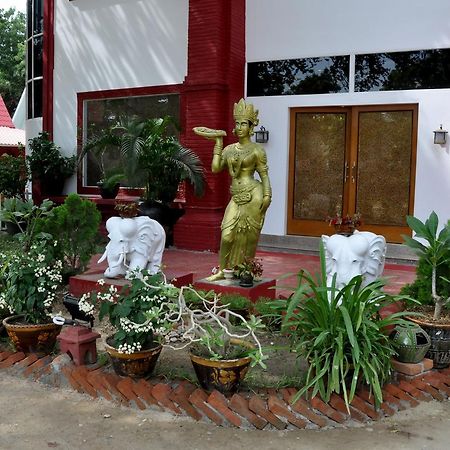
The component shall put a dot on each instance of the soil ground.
(33, 416)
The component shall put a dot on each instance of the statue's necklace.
(237, 157)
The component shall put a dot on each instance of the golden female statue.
(250, 198)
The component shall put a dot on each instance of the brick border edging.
(268, 409)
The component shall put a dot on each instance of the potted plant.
(341, 333)
(345, 225)
(248, 270)
(13, 175)
(432, 283)
(30, 282)
(48, 166)
(98, 147)
(140, 316)
(223, 344)
(25, 215)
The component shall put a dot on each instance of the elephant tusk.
(103, 257)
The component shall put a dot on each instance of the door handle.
(354, 172)
(345, 172)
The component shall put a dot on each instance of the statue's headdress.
(243, 110)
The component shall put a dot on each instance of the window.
(35, 36)
(298, 76)
(100, 113)
(422, 69)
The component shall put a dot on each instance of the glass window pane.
(37, 56)
(30, 59)
(384, 165)
(37, 98)
(30, 100)
(319, 165)
(424, 69)
(38, 17)
(101, 114)
(29, 18)
(298, 76)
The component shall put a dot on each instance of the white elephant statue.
(362, 253)
(134, 243)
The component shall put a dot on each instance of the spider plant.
(342, 335)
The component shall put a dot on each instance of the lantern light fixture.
(262, 135)
(440, 136)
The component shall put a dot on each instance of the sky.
(20, 5)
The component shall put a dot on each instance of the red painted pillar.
(215, 80)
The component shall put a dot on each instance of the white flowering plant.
(30, 283)
(140, 312)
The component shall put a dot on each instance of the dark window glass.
(38, 17)
(422, 69)
(29, 100)
(298, 76)
(29, 18)
(103, 113)
(30, 59)
(37, 98)
(37, 56)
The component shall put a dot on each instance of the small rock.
(106, 416)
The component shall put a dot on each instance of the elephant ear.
(328, 255)
(144, 239)
(374, 264)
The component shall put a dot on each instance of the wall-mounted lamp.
(262, 135)
(440, 136)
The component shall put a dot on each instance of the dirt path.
(35, 417)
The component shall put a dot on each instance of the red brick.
(301, 407)
(95, 379)
(162, 393)
(427, 364)
(41, 362)
(240, 405)
(259, 407)
(280, 408)
(369, 398)
(425, 387)
(365, 408)
(413, 391)
(339, 405)
(80, 373)
(125, 386)
(180, 396)
(4, 355)
(12, 359)
(220, 404)
(437, 383)
(143, 389)
(187, 386)
(198, 399)
(327, 410)
(30, 359)
(396, 392)
(410, 369)
(393, 400)
(67, 371)
(110, 381)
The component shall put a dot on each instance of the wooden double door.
(355, 159)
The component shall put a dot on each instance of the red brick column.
(215, 80)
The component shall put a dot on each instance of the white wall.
(113, 44)
(305, 28)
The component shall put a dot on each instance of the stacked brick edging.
(269, 409)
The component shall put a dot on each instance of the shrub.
(13, 175)
(74, 225)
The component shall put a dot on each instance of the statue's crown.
(243, 110)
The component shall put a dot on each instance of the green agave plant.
(342, 335)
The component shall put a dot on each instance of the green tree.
(12, 56)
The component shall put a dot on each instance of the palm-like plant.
(157, 160)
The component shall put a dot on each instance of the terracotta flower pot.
(27, 338)
(134, 365)
(223, 375)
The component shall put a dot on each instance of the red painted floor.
(276, 266)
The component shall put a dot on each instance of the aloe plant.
(435, 251)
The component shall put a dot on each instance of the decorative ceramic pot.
(411, 343)
(228, 274)
(134, 365)
(223, 375)
(246, 279)
(39, 338)
(439, 350)
(108, 192)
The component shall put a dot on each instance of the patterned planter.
(39, 338)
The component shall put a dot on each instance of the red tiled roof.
(5, 118)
